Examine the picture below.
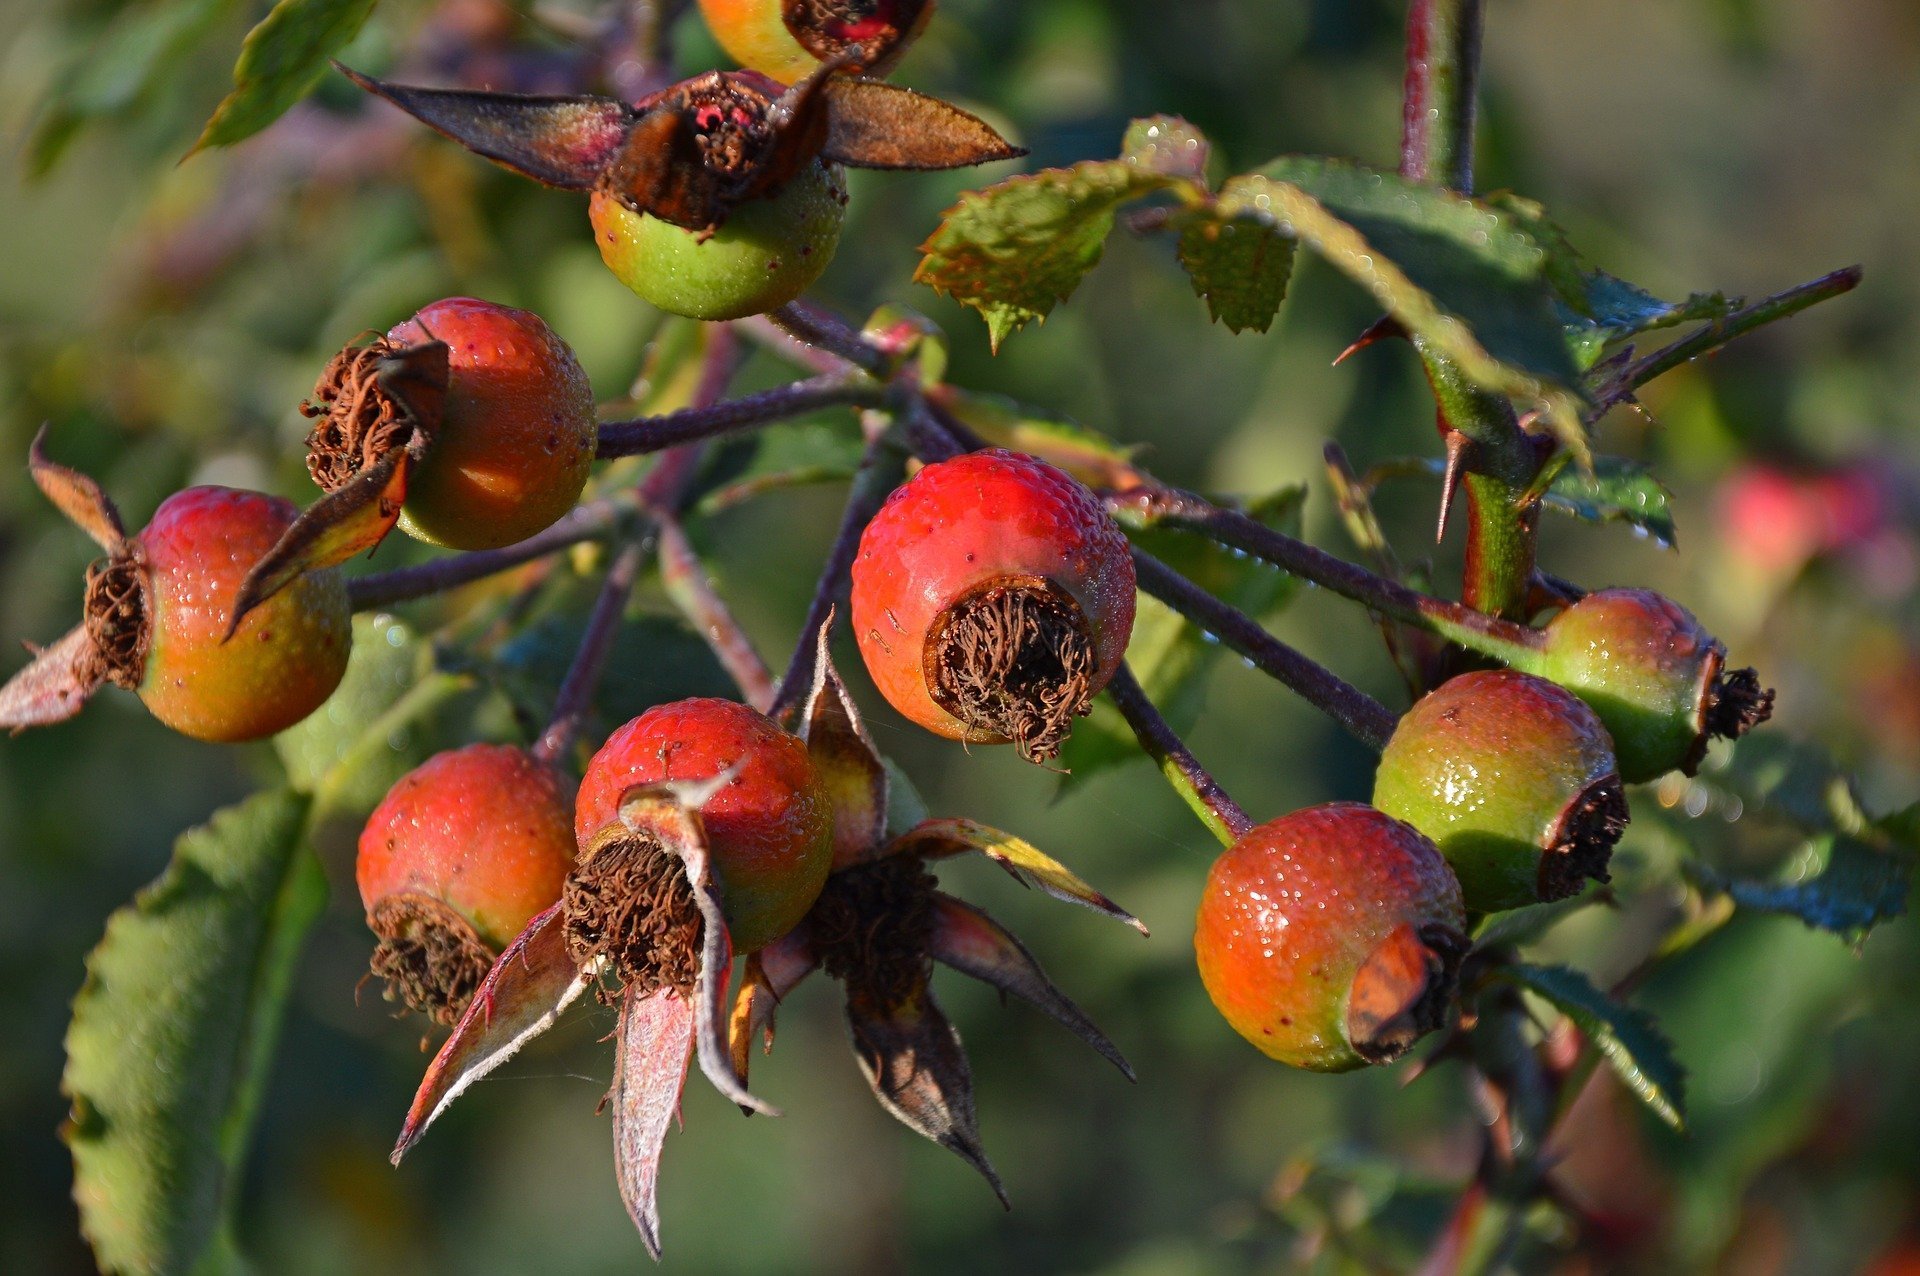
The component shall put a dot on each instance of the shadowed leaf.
(669, 814)
(77, 496)
(55, 685)
(936, 839)
(974, 944)
(529, 986)
(1617, 490)
(281, 60)
(651, 1047)
(557, 141)
(872, 124)
(917, 1067)
(770, 975)
(1625, 1036)
(845, 760)
(174, 1028)
(1835, 882)
(353, 517)
(1239, 266)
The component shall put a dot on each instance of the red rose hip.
(1330, 938)
(461, 853)
(992, 600)
(769, 830)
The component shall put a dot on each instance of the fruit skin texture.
(768, 251)
(288, 654)
(516, 438)
(485, 829)
(756, 36)
(1293, 910)
(959, 524)
(1485, 765)
(769, 828)
(1647, 667)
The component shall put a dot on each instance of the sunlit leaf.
(1090, 456)
(1616, 490)
(1625, 1036)
(280, 61)
(936, 839)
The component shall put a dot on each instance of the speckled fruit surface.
(769, 828)
(1295, 908)
(1485, 765)
(960, 524)
(767, 253)
(515, 440)
(485, 829)
(289, 653)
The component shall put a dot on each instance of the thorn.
(1458, 445)
(1379, 330)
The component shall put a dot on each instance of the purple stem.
(712, 420)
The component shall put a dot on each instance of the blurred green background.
(166, 319)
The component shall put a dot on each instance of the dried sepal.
(79, 497)
(533, 981)
(669, 814)
(937, 839)
(912, 1057)
(652, 1043)
(971, 942)
(845, 759)
(54, 685)
(770, 975)
(872, 124)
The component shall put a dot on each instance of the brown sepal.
(651, 1044)
(844, 758)
(770, 974)
(54, 685)
(1403, 990)
(557, 141)
(872, 124)
(77, 496)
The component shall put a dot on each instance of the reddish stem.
(1192, 781)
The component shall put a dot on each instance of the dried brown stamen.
(1736, 704)
(118, 617)
(870, 928)
(1581, 842)
(429, 955)
(361, 418)
(1403, 990)
(629, 901)
(1014, 659)
(729, 126)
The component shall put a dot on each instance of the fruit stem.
(1360, 714)
(642, 435)
(583, 675)
(1712, 336)
(1443, 71)
(822, 330)
(1512, 644)
(879, 473)
(691, 589)
(590, 521)
(1221, 814)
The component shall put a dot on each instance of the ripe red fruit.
(1330, 938)
(1515, 781)
(455, 860)
(788, 39)
(992, 600)
(1655, 676)
(769, 830)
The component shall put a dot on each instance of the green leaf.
(1616, 490)
(137, 52)
(1016, 249)
(1168, 653)
(1625, 1036)
(172, 1030)
(1527, 924)
(281, 59)
(1835, 882)
(1462, 276)
(1239, 266)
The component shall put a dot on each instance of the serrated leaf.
(1239, 266)
(1626, 1037)
(1460, 275)
(1168, 654)
(1616, 490)
(1088, 455)
(1835, 882)
(1015, 250)
(280, 61)
(1524, 925)
(1168, 145)
(171, 1033)
(138, 50)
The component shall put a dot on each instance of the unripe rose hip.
(1657, 679)
(992, 600)
(1515, 781)
(458, 856)
(1330, 938)
(769, 829)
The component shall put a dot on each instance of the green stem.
(1443, 70)
(1223, 816)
